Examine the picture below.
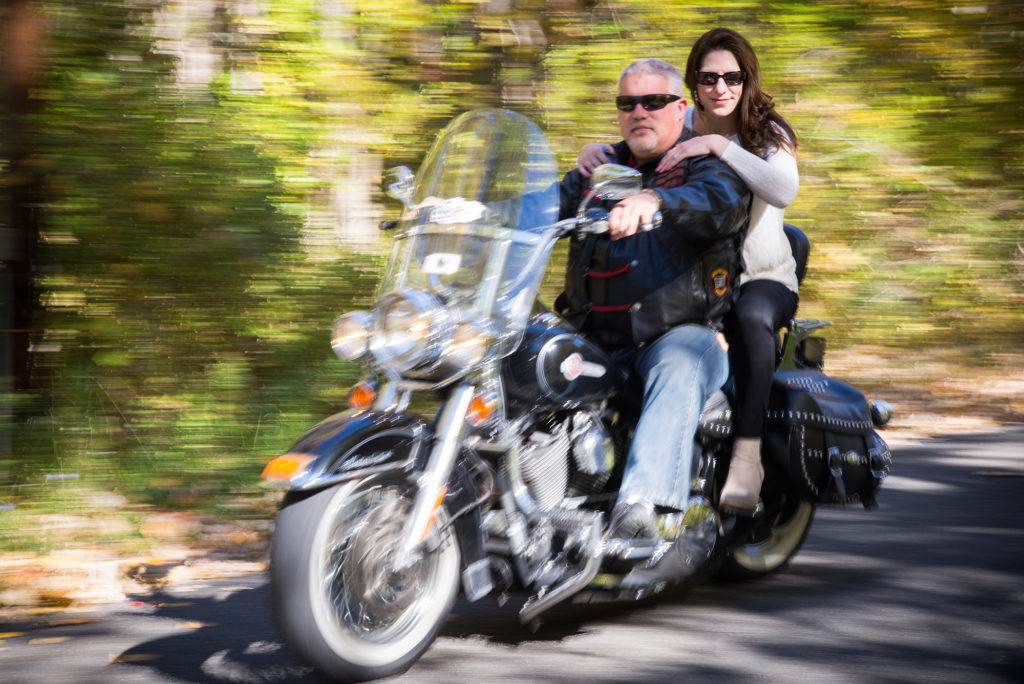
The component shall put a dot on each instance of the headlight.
(349, 335)
(468, 346)
(408, 329)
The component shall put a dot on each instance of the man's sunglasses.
(732, 78)
(651, 103)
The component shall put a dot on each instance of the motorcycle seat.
(801, 247)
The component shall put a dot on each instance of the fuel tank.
(555, 367)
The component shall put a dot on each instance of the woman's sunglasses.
(732, 78)
(651, 103)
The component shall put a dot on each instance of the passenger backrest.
(801, 247)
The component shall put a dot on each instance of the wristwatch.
(657, 197)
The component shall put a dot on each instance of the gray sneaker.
(633, 520)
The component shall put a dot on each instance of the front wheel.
(771, 544)
(341, 605)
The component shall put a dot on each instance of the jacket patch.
(720, 281)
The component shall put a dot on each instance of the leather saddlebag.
(819, 429)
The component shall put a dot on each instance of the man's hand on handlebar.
(627, 217)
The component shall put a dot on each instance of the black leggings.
(752, 327)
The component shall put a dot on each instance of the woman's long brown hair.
(759, 127)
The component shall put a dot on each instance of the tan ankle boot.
(743, 485)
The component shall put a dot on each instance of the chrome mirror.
(398, 184)
(615, 182)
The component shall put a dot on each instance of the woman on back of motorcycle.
(737, 122)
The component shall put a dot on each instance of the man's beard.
(643, 144)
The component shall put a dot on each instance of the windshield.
(488, 196)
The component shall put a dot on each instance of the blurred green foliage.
(209, 168)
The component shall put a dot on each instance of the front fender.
(350, 445)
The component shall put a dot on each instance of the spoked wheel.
(341, 603)
(770, 544)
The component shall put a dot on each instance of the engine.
(569, 457)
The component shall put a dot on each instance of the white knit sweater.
(774, 182)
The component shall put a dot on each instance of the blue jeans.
(679, 371)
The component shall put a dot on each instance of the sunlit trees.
(202, 176)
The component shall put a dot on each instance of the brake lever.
(597, 227)
(596, 223)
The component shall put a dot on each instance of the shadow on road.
(230, 637)
(930, 585)
(227, 637)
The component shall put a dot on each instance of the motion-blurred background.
(190, 194)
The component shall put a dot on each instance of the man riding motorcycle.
(655, 299)
(390, 514)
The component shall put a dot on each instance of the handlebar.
(595, 222)
(654, 223)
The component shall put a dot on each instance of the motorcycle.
(388, 516)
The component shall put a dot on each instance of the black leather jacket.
(629, 291)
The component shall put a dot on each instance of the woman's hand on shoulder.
(694, 147)
(593, 155)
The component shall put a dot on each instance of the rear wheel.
(770, 544)
(340, 603)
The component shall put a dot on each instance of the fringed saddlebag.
(820, 430)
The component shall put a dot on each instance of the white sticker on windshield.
(457, 210)
(441, 263)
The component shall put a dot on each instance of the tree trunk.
(19, 225)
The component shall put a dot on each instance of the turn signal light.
(481, 409)
(362, 396)
(286, 467)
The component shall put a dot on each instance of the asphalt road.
(928, 588)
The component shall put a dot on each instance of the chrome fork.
(429, 487)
